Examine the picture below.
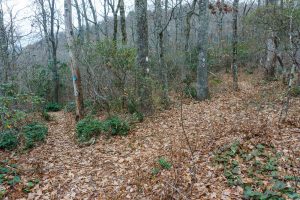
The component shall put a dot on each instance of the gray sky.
(23, 10)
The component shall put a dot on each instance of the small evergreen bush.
(295, 91)
(53, 107)
(8, 140)
(70, 107)
(46, 115)
(116, 126)
(33, 133)
(164, 163)
(88, 128)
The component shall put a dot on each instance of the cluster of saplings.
(29, 136)
(19, 128)
(89, 128)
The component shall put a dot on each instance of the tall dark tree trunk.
(161, 52)
(187, 33)
(78, 93)
(234, 45)
(123, 22)
(144, 89)
(3, 49)
(105, 19)
(202, 75)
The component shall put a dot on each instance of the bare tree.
(79, 21)
(114, 9)
(202, 76)
(161, 51)
(3, 48)
(123, 22)
(86, 19)
(78, 92)
(144, 90)
(95, 21)
(187, 33)
(49, 22)
(234, 45)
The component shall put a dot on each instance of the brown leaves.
(120, 168)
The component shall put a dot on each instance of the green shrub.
(53, 107)
(33, 133)
(116, 126)
(164, 163)
(295, 91)
(70, 107)
(190, 91)
(8, 140)
(88, 128)
(138, 116)
(46, 115)
(132, 106)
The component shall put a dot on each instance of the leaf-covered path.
(121, 167)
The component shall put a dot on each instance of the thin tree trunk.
(123, 22)
(79, 21)
(3, 49)
(97, 29)
(105, 19)
(144, 90)
(78, 93)
(234, 45)
(87, 25)
(202, 75)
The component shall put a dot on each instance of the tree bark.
(187, 33)
(123, 22)
(105, 19)
(234, 45)
(96, 24)
(3, 49)
(161, 52)
(87, 25)
(271, 57)
(79, 21)
(78, 93)
(144, 89)
(202, 75)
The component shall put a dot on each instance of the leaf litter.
(122, 167)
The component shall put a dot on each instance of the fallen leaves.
(121, 167)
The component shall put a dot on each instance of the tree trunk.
(97, 29)
(161, 52)
(115, 33)
(74, 63)
(144, 89)
(202, 76)
(234, 45)
(271, 57)
(105, 19)
(123, 22)
(3, 50)
(87, 25)
(187, 33)
(79, 21)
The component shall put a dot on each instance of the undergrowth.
(256, 169)
(34, 133)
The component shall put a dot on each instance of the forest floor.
(127, 167)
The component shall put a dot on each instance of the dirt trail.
(120, 167)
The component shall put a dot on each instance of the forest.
(160, 99)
